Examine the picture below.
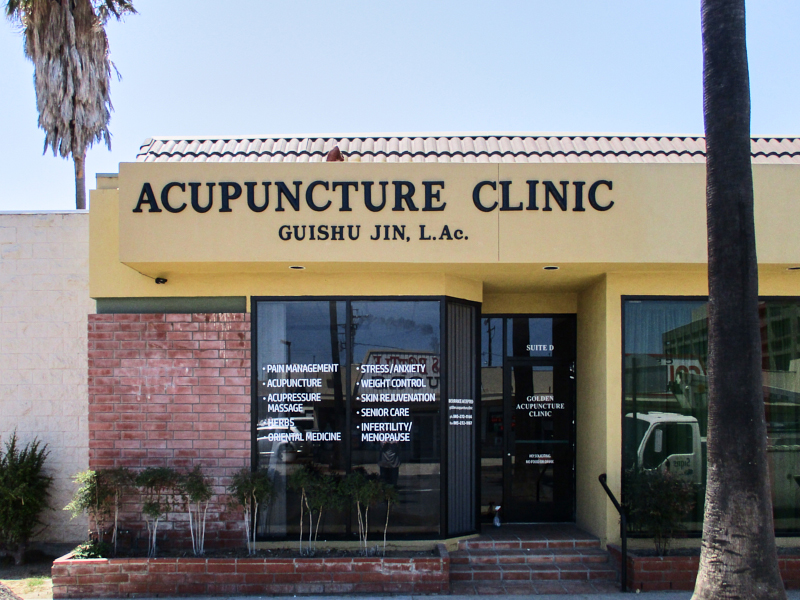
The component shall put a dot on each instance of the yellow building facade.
(532, 233)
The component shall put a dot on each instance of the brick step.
(481, 543)
(529, 556)
(533, 572)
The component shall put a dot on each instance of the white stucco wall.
(44, 302)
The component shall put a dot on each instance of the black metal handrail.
(623, 531)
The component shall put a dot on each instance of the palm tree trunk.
(738, 558)
(80, 180)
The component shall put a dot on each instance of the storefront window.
(665, 411)
(346, 385)
(396, 384)
(301, 402)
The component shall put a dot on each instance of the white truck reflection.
(668, 442)
(672, 442)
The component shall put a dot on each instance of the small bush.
(365, 491)
(318, 491)
(92, 549)
(158, 486)
(249, 490)
(195, 488)
(24, 490)
(657, 501)
(98, 495)
(94, 498)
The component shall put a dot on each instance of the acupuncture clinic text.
(374, 196)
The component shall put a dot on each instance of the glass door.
(539, 444)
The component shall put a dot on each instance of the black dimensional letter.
(532, 194)
(431, 195)
(196, 197)
(368, 196)
(345, 185)
(550, 189)
(400, 195)
(504, 185)
(147, 197)
(165, 197)
(294, 199)
(251, 196)
(579, 196)
(476, 196)
(310, 196)
(227, 195)
(593, 195)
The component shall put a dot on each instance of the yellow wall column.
(592, 371)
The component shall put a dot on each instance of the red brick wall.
(120, 578)
(655, 573)
(172, 390)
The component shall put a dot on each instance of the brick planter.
(131, 577)
(655, 573)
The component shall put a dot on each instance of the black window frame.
(672, 298)
(509, 361)
(444, 302)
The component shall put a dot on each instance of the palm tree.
(738, 558)
(67, 43)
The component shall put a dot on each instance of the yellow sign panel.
(258, 212)
(351, 212)
(430, 213)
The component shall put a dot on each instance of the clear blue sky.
(235, 68)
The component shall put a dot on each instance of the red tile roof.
(476, 148)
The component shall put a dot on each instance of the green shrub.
(366, 491)
(249, 490)
(318, 491)
(98, 495)
(93, 498)
(92, 549)
(119, 481)
(657, 501)
(389, 494)
(158, 486)
(196, 490)
(24, 490)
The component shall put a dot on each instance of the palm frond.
(117, 8)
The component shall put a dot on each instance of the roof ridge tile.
(507, 147)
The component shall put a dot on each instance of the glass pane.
(395, 373)
(541, 445)
(301, 403)
(541, 337)
(491, 435)
(530, 337)
(491, 342)
(780, 347)
(666, 348)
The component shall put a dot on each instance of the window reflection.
(666, 400)
(396, 435)
(301, 403)
(389, 351)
